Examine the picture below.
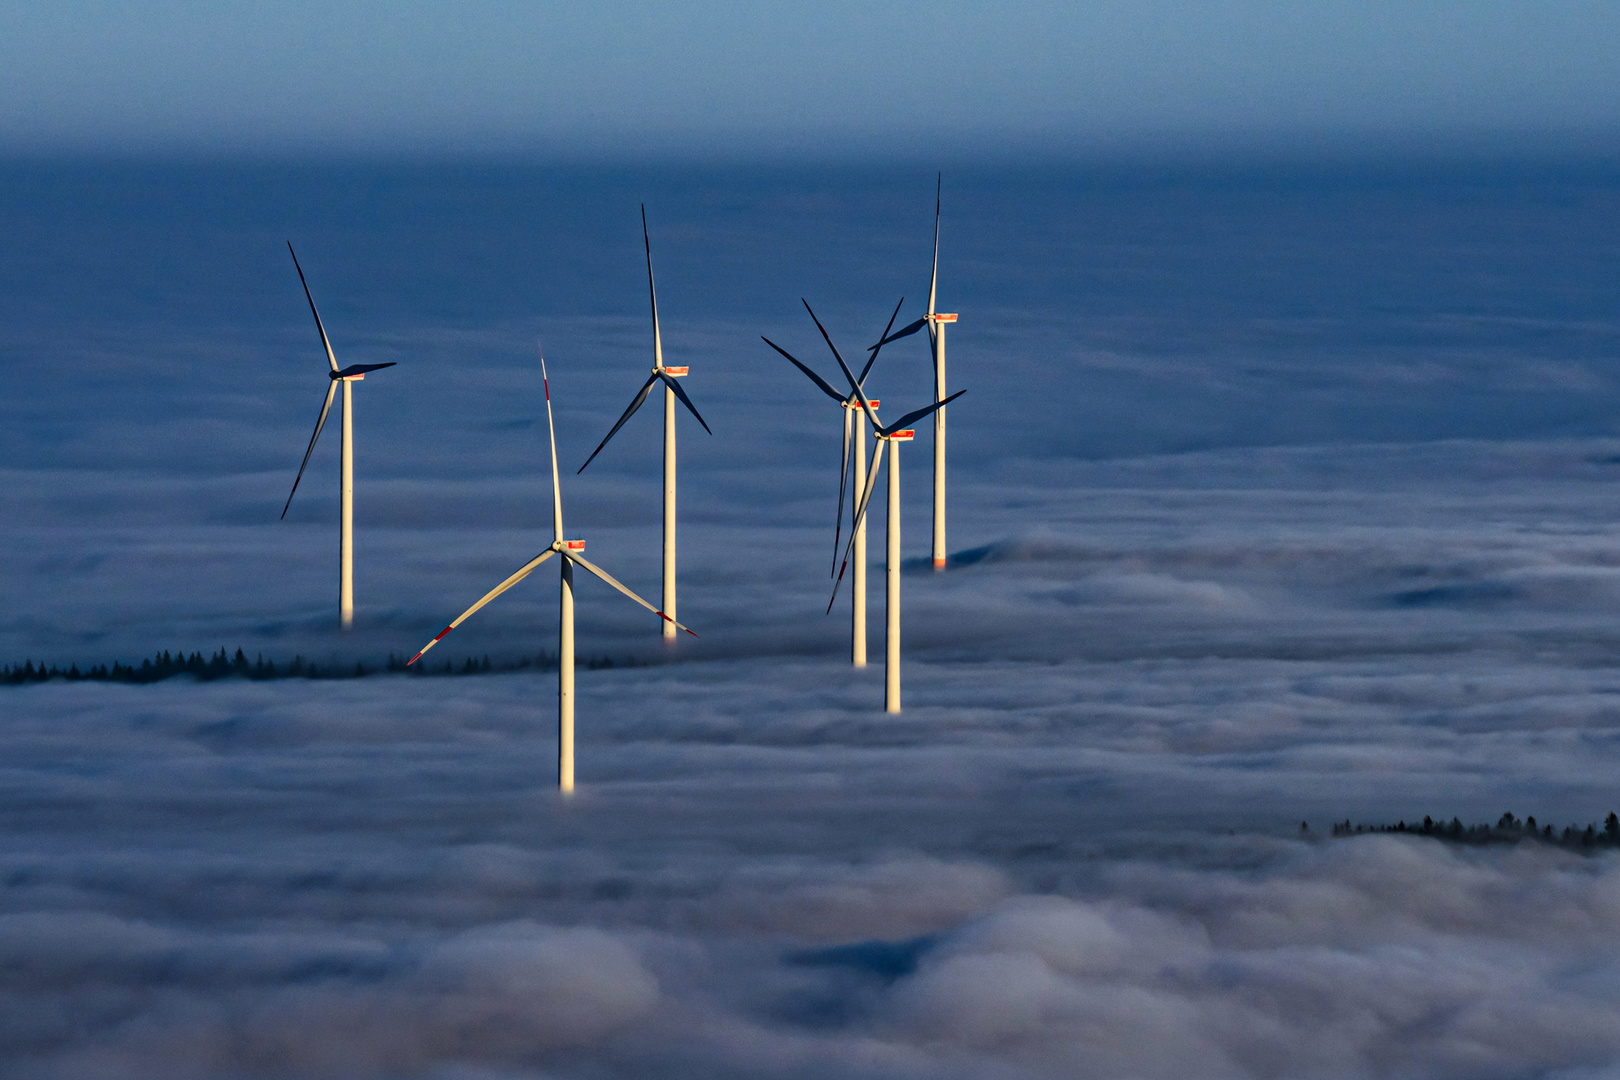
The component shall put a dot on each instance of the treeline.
(166, 665)
(1507, 830)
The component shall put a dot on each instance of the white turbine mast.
(667, 375)
(854, 437)
(896, 433)
(572, 552)
(348, 377)
(936, 323)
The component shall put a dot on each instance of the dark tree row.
(221, 665)
(1507, 830)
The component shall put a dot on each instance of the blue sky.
(728, 78)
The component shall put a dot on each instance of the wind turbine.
(672, 390)
(572, 551)
(854, 432)
(348, 377)
(936, 322)
(895, 433)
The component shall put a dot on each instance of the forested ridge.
(222, 665)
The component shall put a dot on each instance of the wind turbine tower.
(348, 377)
(572, 552)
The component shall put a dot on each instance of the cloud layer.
(1263, 513)
(375, 880)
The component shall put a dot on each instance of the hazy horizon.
(632, 80)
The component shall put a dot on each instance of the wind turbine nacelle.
(872, 401)
(903, 436)
(943, 317)
(573, 545)
(677, 372)
(356, 372)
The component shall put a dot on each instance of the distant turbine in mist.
(936, 323)
(854, 436)
(895, 433)
(672, 390)
(348, 377)
(572, 551)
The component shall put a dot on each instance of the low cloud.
(1367, 957)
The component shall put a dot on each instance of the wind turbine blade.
(905, 331)
(855, 386)
(551, 430)
(613, 581)
(675, 386)
(327, 342)
(331, 392)
(933, 279)
(361, 369)
(646, 388)
(874, 349)
(859, 516)
(859, 510)
(652, 290)
(933, 282)
(912, 417)
(817, 379)
(825, 336)
(650, 287)
(523, 571)
(843, 484)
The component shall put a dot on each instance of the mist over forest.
(1277, 496)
